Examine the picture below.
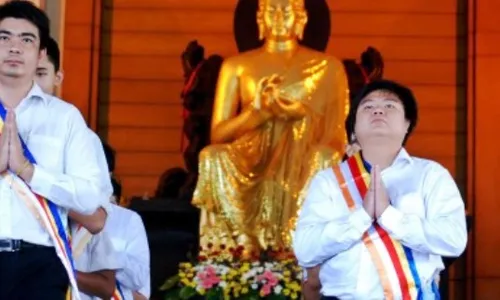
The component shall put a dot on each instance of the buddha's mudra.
(278, 117)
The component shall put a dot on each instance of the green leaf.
(276, 297)
(172, 295)
(170, 283)
(187, 292)
(214, 294)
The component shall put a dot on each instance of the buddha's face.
(281, 19)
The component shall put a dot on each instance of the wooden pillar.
(483, 147)
(82, 35)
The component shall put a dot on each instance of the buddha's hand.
(267, 91)
(285, 108)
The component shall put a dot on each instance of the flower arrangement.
(223, 274)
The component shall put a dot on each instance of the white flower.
(254, 286)
(278, 289)
(222, 284)
(255, 264)
(199, 288)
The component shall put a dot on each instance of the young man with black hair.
(129, 238)
(49, 75)
(48, 165)
(379, 223)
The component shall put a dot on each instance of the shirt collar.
(402, 157)
(36, 92)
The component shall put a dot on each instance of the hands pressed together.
(11, 150)
(376, 200)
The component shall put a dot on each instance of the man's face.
(19, 48)
(381, 113)
(46, 76)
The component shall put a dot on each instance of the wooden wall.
(140, 109)
(484, 113)
(80, 53)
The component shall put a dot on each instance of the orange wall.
(485, 112)
(140, 109)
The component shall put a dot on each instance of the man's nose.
(378, 111)
(14, 49)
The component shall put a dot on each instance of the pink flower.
(208, 277)
(266, 290)
(269, 278)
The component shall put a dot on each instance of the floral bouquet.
(224, 275)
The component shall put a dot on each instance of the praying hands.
(376, 200)
(11, 150)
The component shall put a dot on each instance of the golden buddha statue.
(278, 118)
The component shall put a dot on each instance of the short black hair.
(404, 94)
(117, 189)
(24, 9)
(53, 54)
(110, 154)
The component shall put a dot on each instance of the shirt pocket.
(47, 150)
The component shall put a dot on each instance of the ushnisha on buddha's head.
(281, 19)
(384, 112)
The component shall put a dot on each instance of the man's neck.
(13, 90)
(382, 154)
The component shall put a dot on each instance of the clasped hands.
(376, 200)
(11, 151)
(272, 103)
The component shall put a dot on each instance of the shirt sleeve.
(135, 273)
(443, 230)
(103, 255)
(325, 226)
(80, 185)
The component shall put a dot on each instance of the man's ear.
(59, 78)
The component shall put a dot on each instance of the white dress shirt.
(426, 214)
(98, 255)
(67, 171)
(106, 185)
(128, 235)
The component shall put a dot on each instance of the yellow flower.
(294, 296)
(286, 273)
(185, 281)
(182, 274)
(245, 267)
(286, 292)
(244, 290)
(201, 291)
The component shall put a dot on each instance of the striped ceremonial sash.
(394, 262)
(118, 293)
(50, 219)
(81, 237)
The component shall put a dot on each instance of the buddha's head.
(281, 19)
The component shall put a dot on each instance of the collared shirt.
(67, 171)
(426, 214)
(99, 254)
(128, 235)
